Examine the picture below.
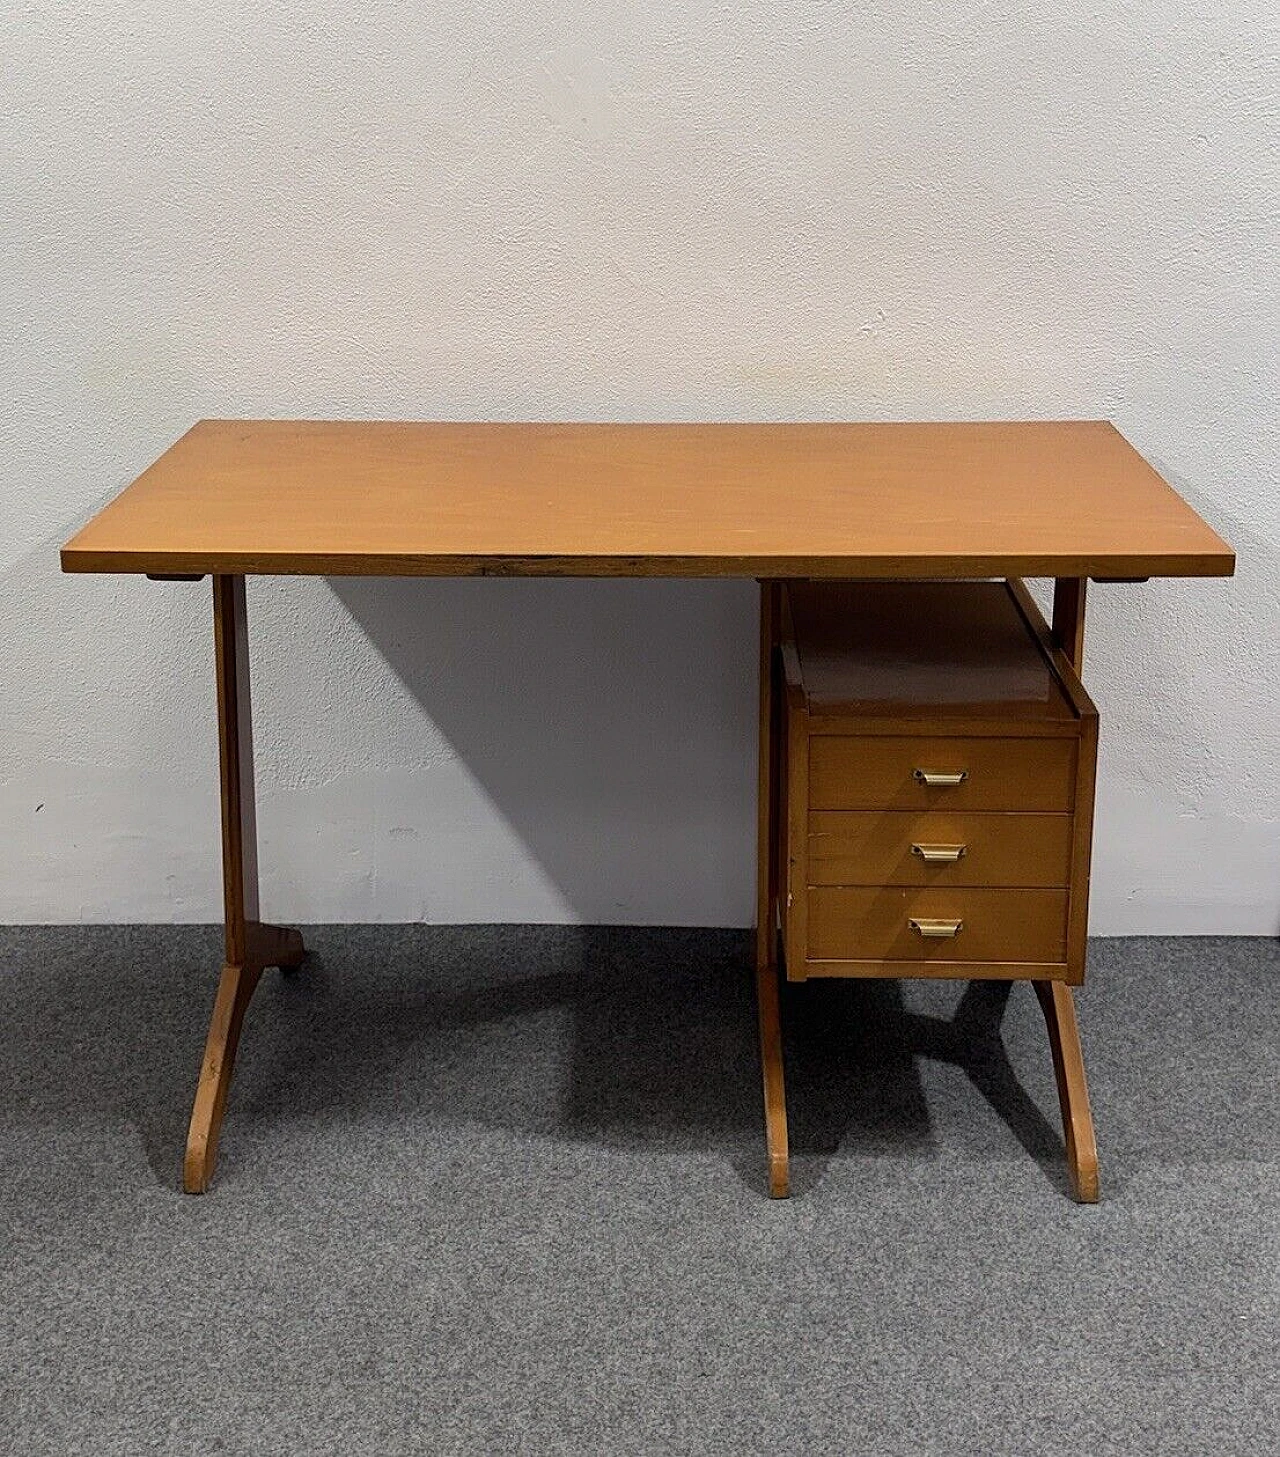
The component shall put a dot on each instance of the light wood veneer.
(385, 498)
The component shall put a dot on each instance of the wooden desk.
(1069, 500)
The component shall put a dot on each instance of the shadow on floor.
(622, 1037)
(625, 1037)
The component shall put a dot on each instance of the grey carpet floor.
(499, 1190)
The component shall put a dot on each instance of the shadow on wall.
(610, 723)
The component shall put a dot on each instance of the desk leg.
(1073, 1093)
(251, 945)
(766, 951)
(1055, 997)
(1068, 618)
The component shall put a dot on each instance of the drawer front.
(866, 847)
(1030, 775)
(864, 924)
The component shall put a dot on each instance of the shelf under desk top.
(376, 498)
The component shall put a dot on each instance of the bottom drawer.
(849, 923)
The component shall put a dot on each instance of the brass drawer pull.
(933, 929)
(938, 854)
(935, 779)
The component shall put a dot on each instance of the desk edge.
(1135, 564)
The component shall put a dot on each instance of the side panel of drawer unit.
(869, 847)
(875, 923)
(874, 772)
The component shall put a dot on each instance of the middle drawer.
(870, 847)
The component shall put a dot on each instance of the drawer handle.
(933, 929)
(936, 779)
(938, 854)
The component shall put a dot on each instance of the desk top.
(375, 498)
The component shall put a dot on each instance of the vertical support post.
(1056, 1001)
(250, 945)
(1068, 618)
(235, 753)
(767, 875)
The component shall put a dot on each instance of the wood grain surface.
(1063, 499)
(875, 847)
(1027, 775)
(922, 650)
(869, 923)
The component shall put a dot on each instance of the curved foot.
(235, 988)
(775, 1098)
(1084, 1177)
(779, 1178)
(267, 946)
(1073, 1093)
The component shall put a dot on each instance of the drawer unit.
(937, 785)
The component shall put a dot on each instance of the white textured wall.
(606, 210)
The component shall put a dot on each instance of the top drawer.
(881, 772)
